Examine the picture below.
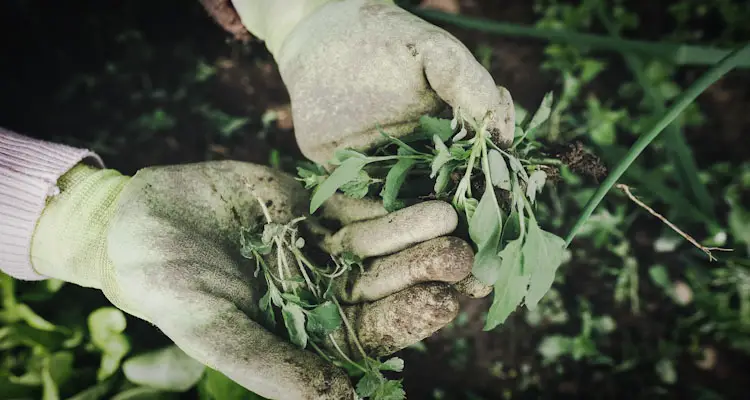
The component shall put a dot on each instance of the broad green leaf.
(393, 364)
(443, 156)
(542, 255)
(535, 184)
(541, 115)
(369, 383)
(323, 319)
(294, 319)
(436, 126)
(265, 306)
(498, 170)
(389, 390)
(393, 181)
(344, 173)
(486, 221)
(216, 386)
(660, 277)
(167, 369)
(510, 285)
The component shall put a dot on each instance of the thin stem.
(344, 356)
(350, 329)
(687, 97)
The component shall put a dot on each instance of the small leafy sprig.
(303, 293)
(513, 253)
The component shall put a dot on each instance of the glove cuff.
(29, 171)
(70, 240)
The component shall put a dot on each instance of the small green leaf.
(443, 178)
(341, 155)
(344, 173)
(498, 170)
(393, 181)
(393, 364)
(167, 369)
(369, 383)
(294, 319)
(543, 253)
(358, 187)
(441, 158)
(323, 319)
(436, 126)
(403, 147)
(389, 390)
(535, 184)
(486, 220)
(541, 115)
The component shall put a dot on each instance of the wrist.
(69, 242)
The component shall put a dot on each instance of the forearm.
(29, 171)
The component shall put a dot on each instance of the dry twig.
(707, 250)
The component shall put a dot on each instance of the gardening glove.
(353, 65)
(164, 245)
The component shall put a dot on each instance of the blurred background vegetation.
(636, 311)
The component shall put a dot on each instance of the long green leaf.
(344, 173)
(687, 97)
(678, 150)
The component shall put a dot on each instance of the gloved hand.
(350, 65)
(164, 246)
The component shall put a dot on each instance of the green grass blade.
(680, 54)
(678, 150)
(687, 97)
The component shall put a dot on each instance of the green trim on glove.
(70, 241)
(273, 20)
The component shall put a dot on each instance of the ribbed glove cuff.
(29, 170)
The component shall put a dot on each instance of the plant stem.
(687, 97)
(679, 54)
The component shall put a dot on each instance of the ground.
(149, 83)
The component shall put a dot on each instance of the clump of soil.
(581, 162)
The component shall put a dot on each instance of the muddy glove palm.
(164, 245)
(351, 65)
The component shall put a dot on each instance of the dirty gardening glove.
(164, 246)
(351, 65)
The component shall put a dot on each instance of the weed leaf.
(510, 286)
(536, 183)
(498, 170)
(393, 364)
(436, 126)
(393, 181)
(369, 383)
(541, 115)
(323, 319)
(294, 319)
(542, 255)
(389, 390)
(343, 174)
(441, 158)
(486, 220)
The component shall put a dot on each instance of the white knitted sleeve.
(29, 170)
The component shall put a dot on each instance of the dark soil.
(89, 78)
